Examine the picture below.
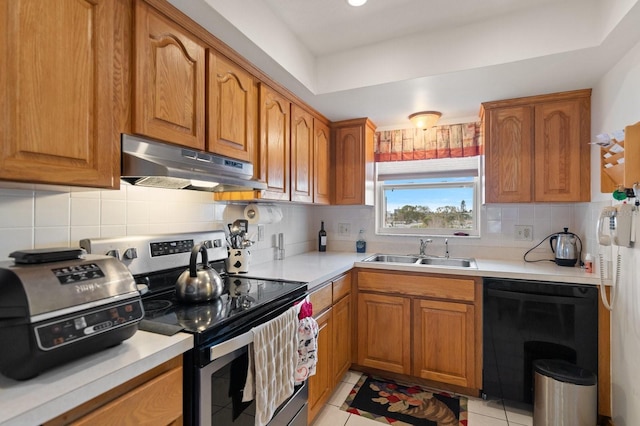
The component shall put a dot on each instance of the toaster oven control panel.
(81, 326)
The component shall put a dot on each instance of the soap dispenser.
(361, 244)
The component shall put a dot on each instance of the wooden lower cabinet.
(424, 326)
(321, 384)
(341, 338)
(443, 339)
(384, 339)
(153, 398)
(333, 308)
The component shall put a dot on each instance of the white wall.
(616, 103)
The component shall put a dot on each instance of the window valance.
(450, 141)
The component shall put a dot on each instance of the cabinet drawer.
(321, 299)
(418, 285)
(158, 401)
(341, 287)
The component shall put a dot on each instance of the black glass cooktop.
(243, 302)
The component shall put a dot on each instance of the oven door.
(220, 393)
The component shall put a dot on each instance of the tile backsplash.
(42, 217)
(497, 230)
(45, 216)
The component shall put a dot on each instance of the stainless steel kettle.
(565, 247)
(199, 283)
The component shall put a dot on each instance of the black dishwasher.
(528, 320)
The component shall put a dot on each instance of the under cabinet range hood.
(146, 162)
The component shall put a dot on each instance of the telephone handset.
(618, 223)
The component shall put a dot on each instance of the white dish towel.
(273, 357)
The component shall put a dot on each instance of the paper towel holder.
(263, 213)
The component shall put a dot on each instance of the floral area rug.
(398, 404)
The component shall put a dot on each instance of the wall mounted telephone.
(615, 225)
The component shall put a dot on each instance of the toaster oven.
(52, 312)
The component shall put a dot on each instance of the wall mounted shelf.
(620, 162)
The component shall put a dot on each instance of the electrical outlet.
(260, 232)
(523, 232)
(344, 229)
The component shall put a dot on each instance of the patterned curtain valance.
(455, 140)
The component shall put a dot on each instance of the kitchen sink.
(391, 258)
(443, 262)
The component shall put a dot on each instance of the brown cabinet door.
(274, 143)
(301, 155)
(443, 339)
(232, 109)
(354, 162)
(169, 94)
(558, 147)
(321, 384)
(322, 156)
(509, 155)
(60, 64)
(384, 337)
(349, 164)
(341, 338)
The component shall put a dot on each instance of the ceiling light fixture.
(356, 2)
(425, 119)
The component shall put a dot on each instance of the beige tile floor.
(481, 413)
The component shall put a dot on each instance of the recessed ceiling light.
(356, 2)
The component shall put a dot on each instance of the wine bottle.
(322, 238)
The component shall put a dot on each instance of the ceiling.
(390, 58)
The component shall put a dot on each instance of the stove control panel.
(165, 248)
(81, 326)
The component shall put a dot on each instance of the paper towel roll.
(258, 213)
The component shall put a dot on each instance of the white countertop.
(57, 391)
(316, 268)
(313, 267)
(65, 387)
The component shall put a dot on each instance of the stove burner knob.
(114, 253)
(131, 253)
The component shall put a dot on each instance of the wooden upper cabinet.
(354, 162)
(537, 148)
(60, 65)
(274, 143)
(321, 164)
(232, 115)
(509, 156)
(561, 142)
(301, 155)
(169, 93)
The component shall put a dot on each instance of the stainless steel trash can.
(564, 394)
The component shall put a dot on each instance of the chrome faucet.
(423, 245)
(446, 248)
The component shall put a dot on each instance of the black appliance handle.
(553, 237)
(543, 298)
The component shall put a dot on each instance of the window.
(428, 197)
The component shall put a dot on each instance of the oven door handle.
(226, 347)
